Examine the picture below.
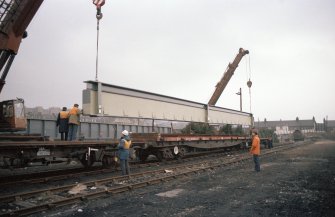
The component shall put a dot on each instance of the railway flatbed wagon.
(18, 154)
(21, 153)
(171, 146)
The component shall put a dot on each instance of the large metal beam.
(119, 101)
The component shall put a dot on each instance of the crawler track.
(44, 199)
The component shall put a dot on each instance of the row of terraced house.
(285, 128)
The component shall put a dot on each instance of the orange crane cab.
(12, 116)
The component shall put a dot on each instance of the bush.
(198, 128)
(265, 133)
(226, 129)
(229, 130)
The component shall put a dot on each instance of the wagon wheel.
(181, 153)
(108, 161)
(160, 156)
(86, 160)
(143, 155)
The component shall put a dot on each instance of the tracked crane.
(226, 77)
(15, 16)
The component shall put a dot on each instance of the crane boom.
(15, 16)
(226, 77)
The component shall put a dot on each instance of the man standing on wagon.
(74, 121)
(62, 122)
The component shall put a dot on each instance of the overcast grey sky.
(181, 48)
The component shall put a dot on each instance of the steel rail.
(59, 174)
(105, 190)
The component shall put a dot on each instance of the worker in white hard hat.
(123, 147)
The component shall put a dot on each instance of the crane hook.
(249, 83)
(99, 4)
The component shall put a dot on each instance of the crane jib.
(221, 85)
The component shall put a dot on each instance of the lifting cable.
(99, 4)
(249, 83)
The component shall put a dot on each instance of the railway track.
(40, 200)
(61, 174)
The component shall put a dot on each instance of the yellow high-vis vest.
(127, 144)
(64, 114)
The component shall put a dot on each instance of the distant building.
(285, 128)
(289, 126)
(330, 126)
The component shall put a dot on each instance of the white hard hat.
(125, 132)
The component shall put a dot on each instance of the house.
(288, 126)
(284, 128)
(330, 126)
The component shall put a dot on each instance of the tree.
(198, 128)
(226, 129)
(238, 130)
(265, 133)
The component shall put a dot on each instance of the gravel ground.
(299, 182)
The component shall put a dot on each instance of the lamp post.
(240, 94)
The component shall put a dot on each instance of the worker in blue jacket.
(123, 147)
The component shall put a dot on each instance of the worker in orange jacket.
(74, 122)
(255, 150)
(63, 123)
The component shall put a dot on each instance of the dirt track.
(299, 182)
